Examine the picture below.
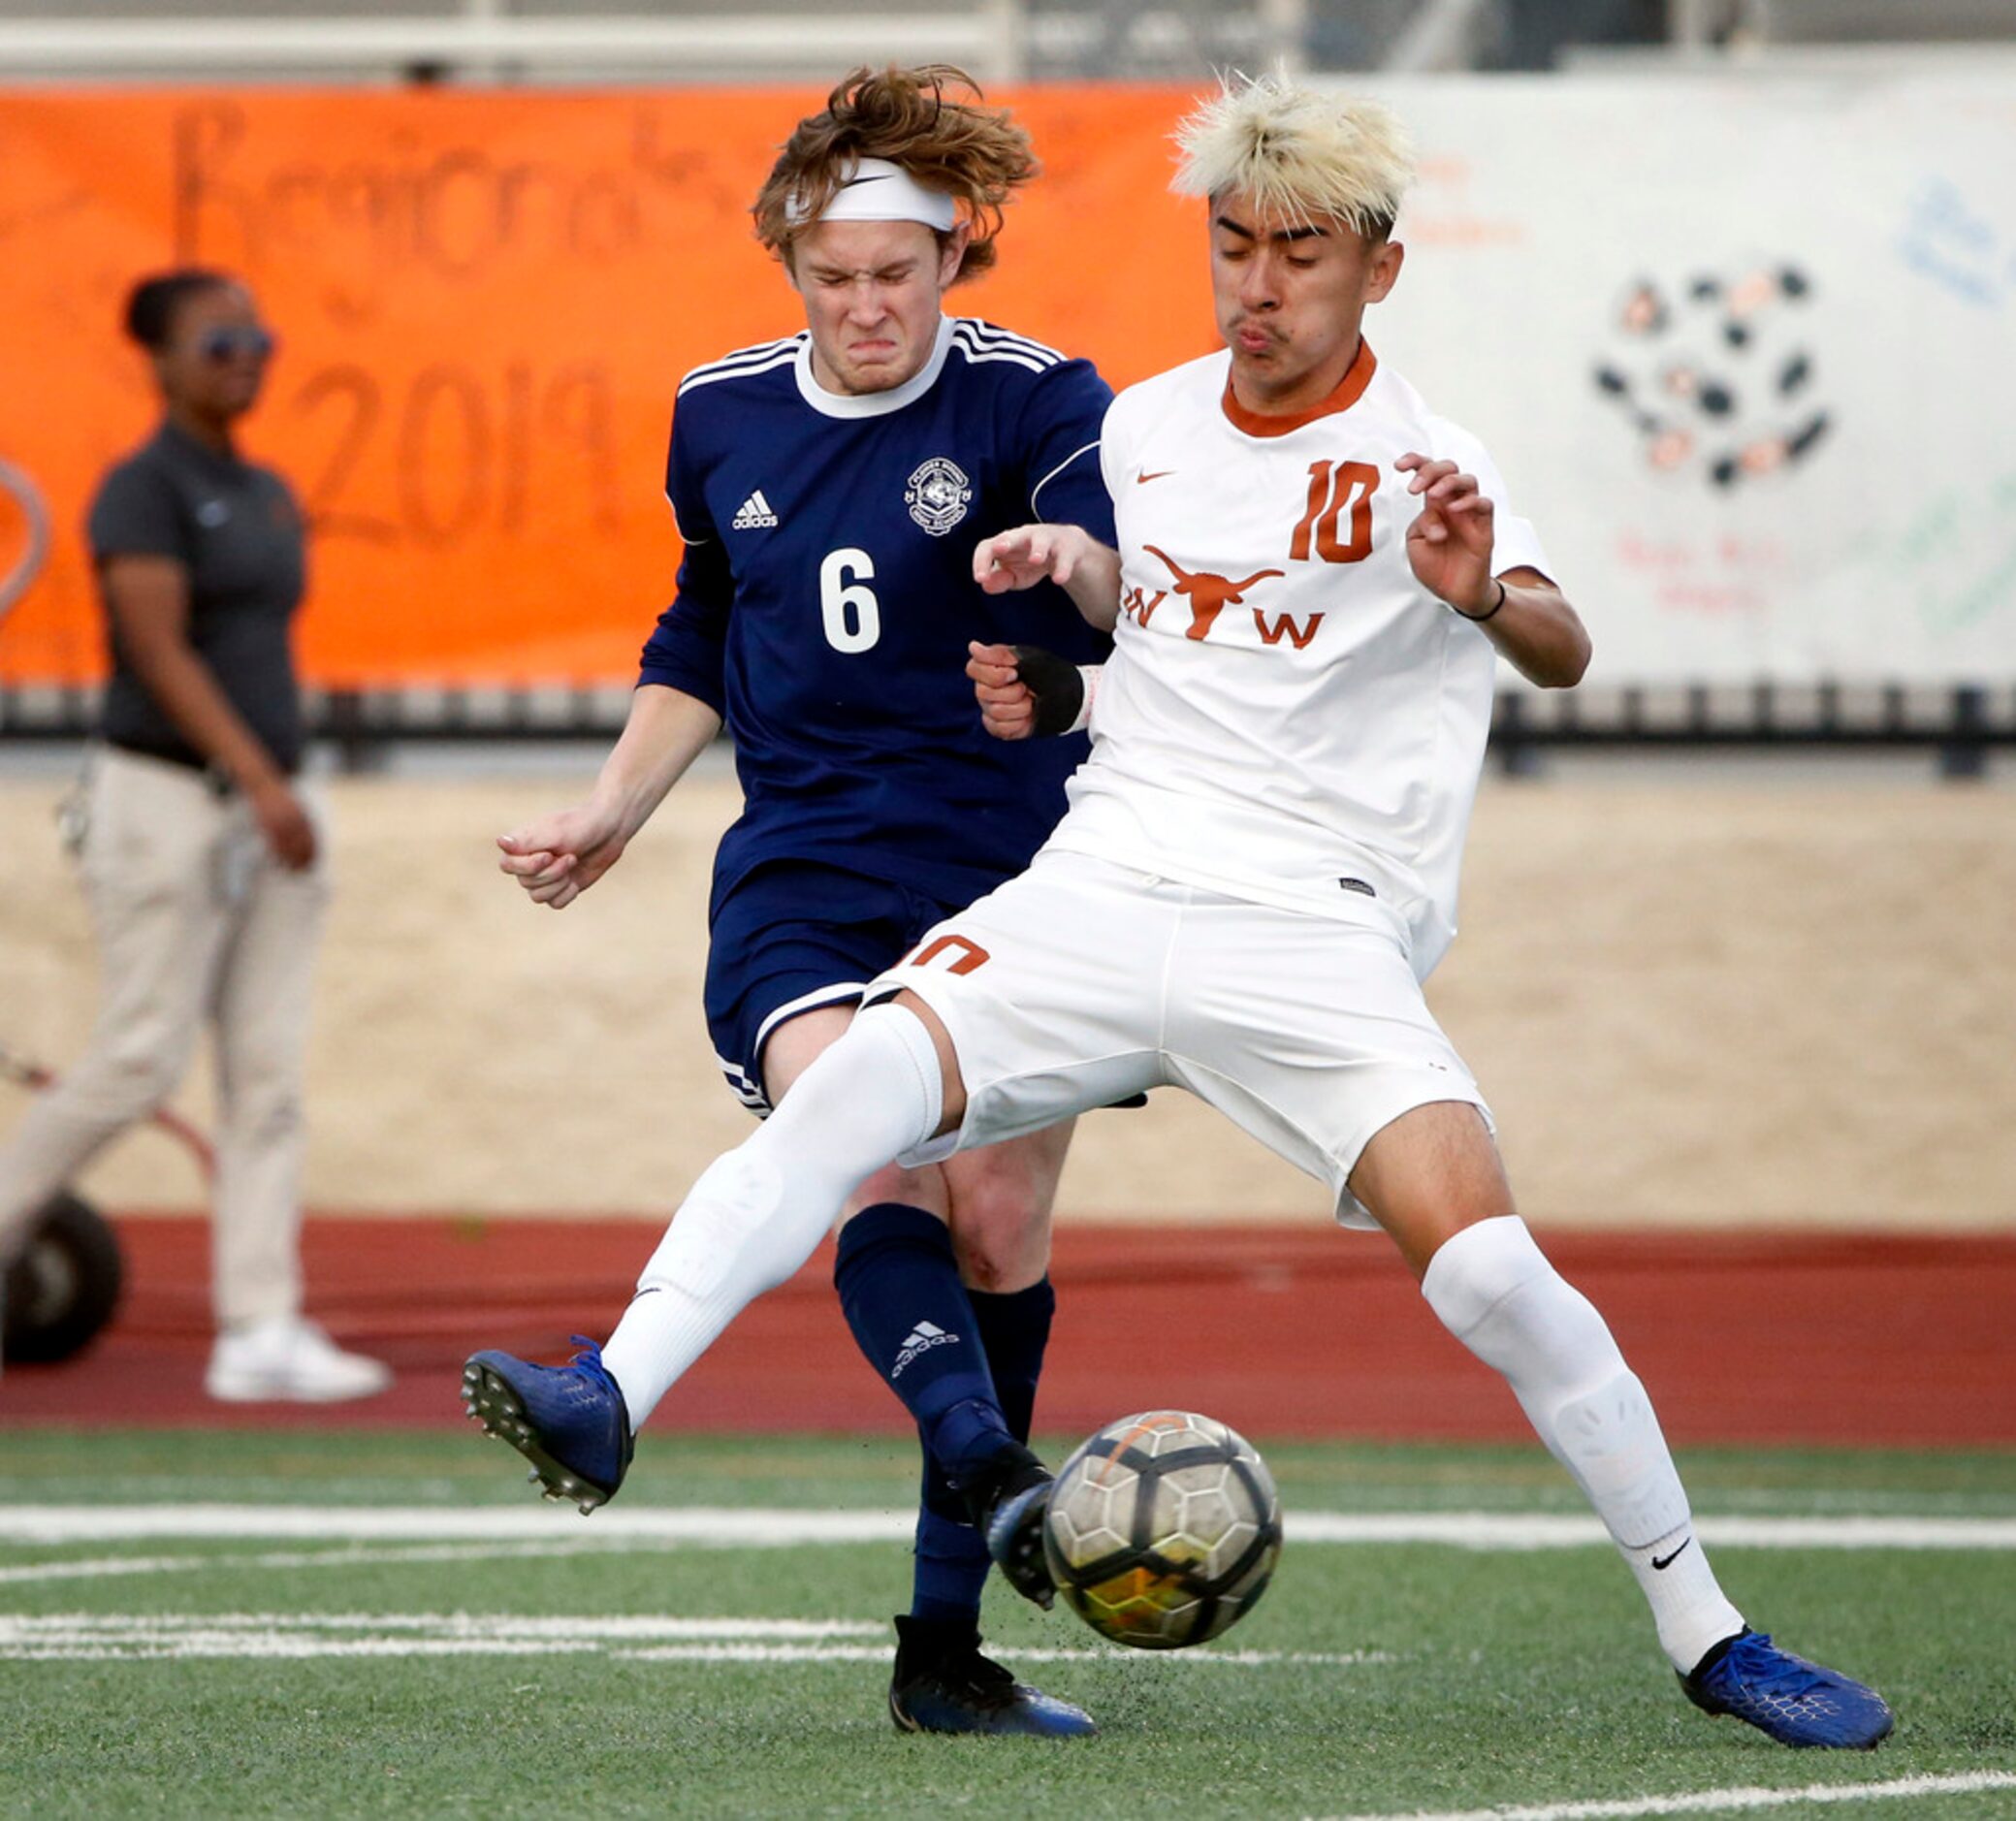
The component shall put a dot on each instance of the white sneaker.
(285, 1358)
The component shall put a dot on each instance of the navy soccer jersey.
(826, 598)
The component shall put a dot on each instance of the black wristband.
(1055, 683)
(1478, 620)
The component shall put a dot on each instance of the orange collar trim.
(1350, 390)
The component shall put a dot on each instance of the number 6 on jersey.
(852, 616)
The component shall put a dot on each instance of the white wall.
(1888, 551)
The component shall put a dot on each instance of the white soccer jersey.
(1288, 715)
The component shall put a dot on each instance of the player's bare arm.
(1523, 614)
(558, 856)
(149, 599)
(1087, 570)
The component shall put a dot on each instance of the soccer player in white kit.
(1315, 578)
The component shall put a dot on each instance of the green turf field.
(333, 1624)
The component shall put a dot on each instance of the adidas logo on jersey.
(920, 1339)
(755, 514)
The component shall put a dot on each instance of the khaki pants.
(196, 922)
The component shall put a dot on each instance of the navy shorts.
(794, 935)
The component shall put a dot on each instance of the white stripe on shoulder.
(755, 351)
(1057, 470)
(714, 376)
(1036, 355)
(743, 362)
(1007, 338)
(1012, 356)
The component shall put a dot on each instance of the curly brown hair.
(978, 155)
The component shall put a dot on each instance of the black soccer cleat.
(943, 1685)
(1008, 1505)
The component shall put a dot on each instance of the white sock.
(1495, 1292)
(756, 1214)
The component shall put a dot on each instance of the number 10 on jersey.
(1335, 488)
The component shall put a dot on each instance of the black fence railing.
(1957, 725)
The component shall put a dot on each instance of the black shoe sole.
(491, 1403)
(1022, 1561)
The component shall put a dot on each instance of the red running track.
(1282, 1331)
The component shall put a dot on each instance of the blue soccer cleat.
(943, 1685)
(1795, 1701)
(570, 1421)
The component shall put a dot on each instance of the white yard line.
(99, 1567)
(879, 1653)
(1717, 1800)
(106, 1637)
(378, 1535)
(599, 1628)
(1513, 1530)
(344, 1555)
(700, 1526)
(726, 1528)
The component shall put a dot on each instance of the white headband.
(881, 191)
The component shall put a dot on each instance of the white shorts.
(1081, 983)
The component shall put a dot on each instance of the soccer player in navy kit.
(830, 488)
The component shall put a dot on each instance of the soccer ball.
(1163, 1529)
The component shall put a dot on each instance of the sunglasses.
(220, 344)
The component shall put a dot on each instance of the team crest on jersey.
(937, 495)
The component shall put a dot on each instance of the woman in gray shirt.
(203, 857)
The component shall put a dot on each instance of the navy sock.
(899, 1288)
(953, 1560)
(951, 1565)
(1015, 1329)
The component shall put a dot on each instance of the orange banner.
(485, 302)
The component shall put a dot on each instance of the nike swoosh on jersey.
(1160, 474)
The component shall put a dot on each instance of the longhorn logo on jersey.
(937, 495)
(1208, 595)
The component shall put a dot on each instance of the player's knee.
(1495, 1292)
(910, 1188)
(269, 1114)
(130, 1081)
(1000, 1233)
(1473, 1270)
(992, 1268)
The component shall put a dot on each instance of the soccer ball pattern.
(1163, 1529)
(1716, 374)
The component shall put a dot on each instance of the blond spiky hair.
(1299, 152)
